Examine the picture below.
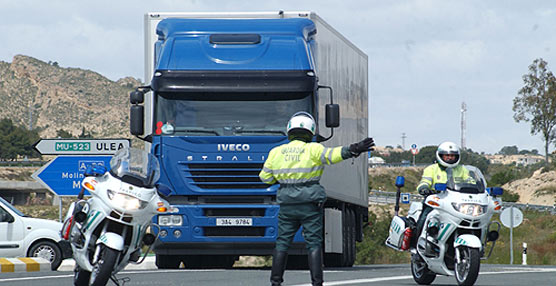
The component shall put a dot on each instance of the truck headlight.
(126, 202)
(470, 209)
(170, 220)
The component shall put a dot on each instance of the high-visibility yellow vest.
(434, 174)
(299, 163)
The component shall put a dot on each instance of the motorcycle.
(456, 232)
(108, 231)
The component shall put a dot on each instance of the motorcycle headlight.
(170, 220)
(470, 209)
(126, 201)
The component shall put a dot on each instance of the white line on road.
(392, 278)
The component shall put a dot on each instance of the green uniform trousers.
(291, 217)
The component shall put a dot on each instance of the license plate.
(234, 221)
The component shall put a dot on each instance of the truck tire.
(48, 250)
(297, 262)
(351, 238)
(209, 261)
(348, 243)
(167, 261)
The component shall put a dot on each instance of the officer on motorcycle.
(298, 166)
(447, 165)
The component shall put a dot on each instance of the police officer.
(298, 166)
(447, 165)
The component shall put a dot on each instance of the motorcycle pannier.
(396, 233)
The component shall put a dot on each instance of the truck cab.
(221, 94)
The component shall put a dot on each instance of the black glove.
(426, 192)
(364, 146)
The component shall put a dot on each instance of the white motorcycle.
(456, 232)
(107, 231)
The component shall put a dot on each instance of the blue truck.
(222, 88)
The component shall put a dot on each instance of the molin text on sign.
(63, 175)
(80, 146)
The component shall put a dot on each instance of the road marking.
(392, 278)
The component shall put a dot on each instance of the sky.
(426, 57)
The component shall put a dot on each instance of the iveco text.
(233, 147)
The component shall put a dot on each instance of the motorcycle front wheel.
(81, 277)
(421, 273)
(102, 269)
(467, 270)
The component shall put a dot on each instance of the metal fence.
(381, 197)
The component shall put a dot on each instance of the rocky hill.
(539, 189)
(64, 98)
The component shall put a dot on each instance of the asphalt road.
(358, 275)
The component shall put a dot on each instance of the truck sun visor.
(235, 39)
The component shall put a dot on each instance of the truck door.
(11, 233)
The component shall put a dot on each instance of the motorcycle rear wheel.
(102, 269)
(421, 273)
(467, 271)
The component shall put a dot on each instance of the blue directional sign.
(405, 198)
(63, 175)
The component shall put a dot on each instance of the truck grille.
(226, 176)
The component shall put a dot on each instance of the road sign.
(413, 146)
(405, 198)
(506, 217)
(80, 146)
(63, 175)
(414, 151)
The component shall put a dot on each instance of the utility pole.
(463, 111)
(403, 140)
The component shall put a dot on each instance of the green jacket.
(435, 173)
(298, 166)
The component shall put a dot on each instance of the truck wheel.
(209, 261)
(351, 238)
(48, 250)
(348, 243)
(167, 261)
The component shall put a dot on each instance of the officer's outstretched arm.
(365, 145)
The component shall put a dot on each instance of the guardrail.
(22, 163)
(382, 197)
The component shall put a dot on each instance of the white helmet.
(448, 148)
(302, 120)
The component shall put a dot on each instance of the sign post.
(511, 217)
(414, 151)
(62, 176)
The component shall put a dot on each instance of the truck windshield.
(227, 114)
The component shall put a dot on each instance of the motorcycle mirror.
(440, 187)
(163, 189)
(95, 170)
(400, 181)
(495, 191)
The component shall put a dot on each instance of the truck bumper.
(223, 248)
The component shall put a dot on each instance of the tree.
(61, 133)
(536, 102)
(508, 150)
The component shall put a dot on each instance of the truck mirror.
(136, 97)
(332, 115)
(136, 119)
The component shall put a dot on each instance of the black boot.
(315, 266)
(279, 259)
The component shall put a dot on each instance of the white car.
(22, 236)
